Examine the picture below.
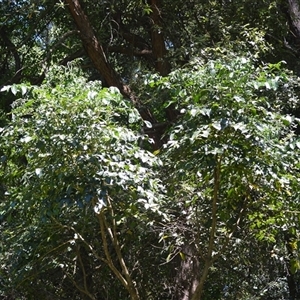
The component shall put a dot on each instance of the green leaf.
(26, 139)
(39, 172)
(148, 124)
(5, 88)
(23, 90)
(294, 265)
(217, 125)
(287, 120)
(133, 116)
(14, 89)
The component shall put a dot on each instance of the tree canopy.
(149, 149)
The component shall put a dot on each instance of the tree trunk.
(188, 273)
(159, 50)
(97, 55)
(94, 49)
(291, 280)
(294, 13)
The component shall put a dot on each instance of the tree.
(225, 154)
(138, 36)
(186, 94)
(74, 176)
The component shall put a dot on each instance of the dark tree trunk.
(187, 278)
(159, 50)
(291, 9)
(13, 49)
(294, 13)
(290, 276)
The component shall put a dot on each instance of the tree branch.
(72, 56)
(114, 235)
(134, 40)
(130, 51)
(97, 55)
(94, 49)
(79, 288)
(59, 42)
(82, 269)
(209, 260)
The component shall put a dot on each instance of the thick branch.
(97, 55)
(162, 65)
(72, 56)
(129, 51)
(94, 49)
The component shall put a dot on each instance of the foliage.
(232, 158)
(71, 162)
(69, 155)
(87, 211)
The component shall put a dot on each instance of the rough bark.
(294, 13)
(159, 50)
(187, 278)
(291, 9)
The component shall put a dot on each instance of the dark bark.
(292, 286)
(13, 49)
(72, 56)
(187, 278)
(291, 10)
(290, 276)
(159, 50)
(134, 40)
(131, 52)
(294, 13)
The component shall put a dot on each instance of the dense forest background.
(149, 149)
